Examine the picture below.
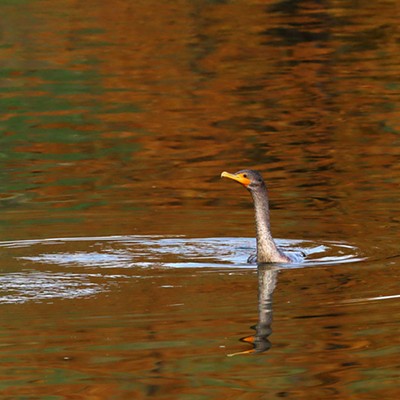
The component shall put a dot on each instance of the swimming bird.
(267, 250)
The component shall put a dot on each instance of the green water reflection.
(118, 118)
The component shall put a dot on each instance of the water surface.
(123, 267)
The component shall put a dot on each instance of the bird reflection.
(267, 277)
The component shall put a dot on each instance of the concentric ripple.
(46, 265)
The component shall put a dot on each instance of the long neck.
(267, 251)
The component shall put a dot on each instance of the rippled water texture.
(123, 254)
(100, 257)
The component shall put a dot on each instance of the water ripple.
(97, 258)
(39, 286)
(134, 251)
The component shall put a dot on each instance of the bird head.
(250, 179)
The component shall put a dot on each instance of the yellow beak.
(237, 177)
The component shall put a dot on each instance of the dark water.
(123, 267)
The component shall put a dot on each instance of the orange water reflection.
(118, 118)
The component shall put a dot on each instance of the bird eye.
(244, 175)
